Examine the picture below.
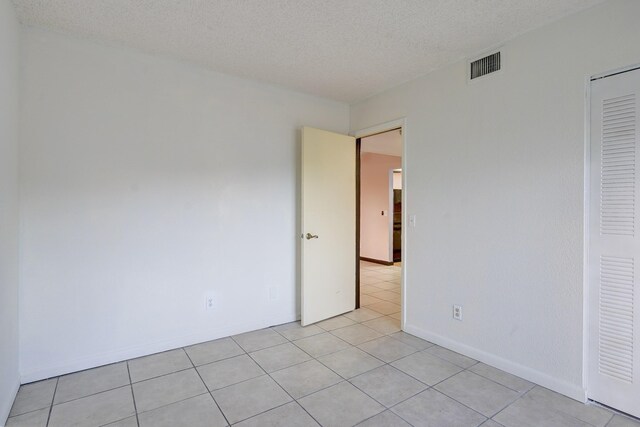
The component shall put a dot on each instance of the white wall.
(9, 105)
(147, 182)
(494, 173)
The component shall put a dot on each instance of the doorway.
(330, 165)
(613, 297)
(380, 216)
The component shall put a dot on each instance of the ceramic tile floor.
(380, 288)
(354, 369)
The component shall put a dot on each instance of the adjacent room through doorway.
(381, 223)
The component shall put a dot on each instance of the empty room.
(319, 213)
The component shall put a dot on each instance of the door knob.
(311, 236)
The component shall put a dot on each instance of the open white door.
(328, 224)
(614, 243)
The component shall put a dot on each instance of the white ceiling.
(341, 49)
(389, 143)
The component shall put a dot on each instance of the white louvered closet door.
(614, 243)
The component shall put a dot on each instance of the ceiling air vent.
(483, 66)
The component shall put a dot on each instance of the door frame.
(400, 123)
(586, 284)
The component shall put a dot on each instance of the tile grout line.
(343, 380)
(609, 422)
(488, 417)
(207, 387)
(264, 412)
(116, 421)
(94, 394)
(360, 343)
(326, 354)
(560, 412)
(52, 400)
(239, 382)
(264, 348)
(271, 327)
(289, 394)
(520, 393)
(158, 376)
(308, 336)
(329, 368)
(211, 363)
(373, 398)
(520, 397)
(316, 359)
(280, 369)
(170, 373)
(348, 380)
(171, 403)
(373, 339)
(131, 383)
(305, 410)
(286, 367)
(407, 374)
(90, 369)
(614, 412)
(460, 403)
(68, 401)
(385, 408)
(390, 408)
(124, 385)
(135, 408)
(433, 386)
(282, 388)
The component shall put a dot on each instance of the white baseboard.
(570, 390)
(127, 353)
(6, 405)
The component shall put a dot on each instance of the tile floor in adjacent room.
(380, 288)
(354, 369)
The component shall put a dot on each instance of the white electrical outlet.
(412, 220)
(209, 301)
(457, 312)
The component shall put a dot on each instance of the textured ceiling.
(341, 49)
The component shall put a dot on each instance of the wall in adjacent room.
(495, 176)
(375, 197)
(148, 183)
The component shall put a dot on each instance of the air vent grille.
(483, 66)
